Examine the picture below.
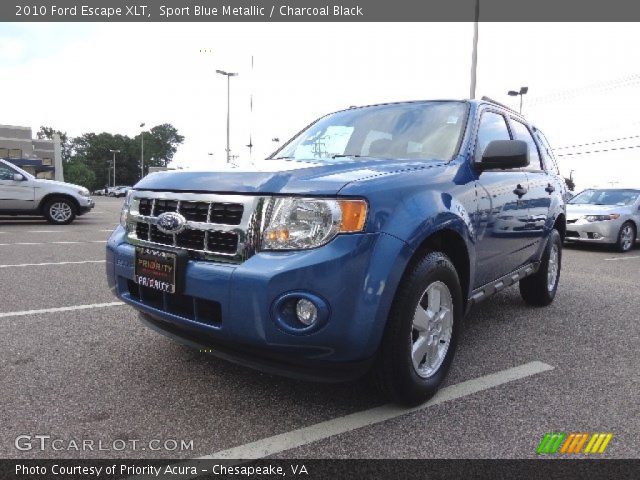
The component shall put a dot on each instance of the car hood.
(280, 176)
(45, 183)
(575, 211)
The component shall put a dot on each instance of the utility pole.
(142, 151)
(114, 165)
(228, 75)
(474, 53)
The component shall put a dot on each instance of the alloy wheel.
(60, 211)
(432, 329)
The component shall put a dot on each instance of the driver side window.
(492, 127)
(6, 173)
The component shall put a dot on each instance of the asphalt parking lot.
(95, 372)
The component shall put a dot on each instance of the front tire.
(59, 211)
(422, 331)
(626, 237)
(540, 288)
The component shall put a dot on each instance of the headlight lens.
(302, 223)
(601, 218)
(124, 213)
(84, 192)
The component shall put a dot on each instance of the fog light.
(597, 236)
(306, 312)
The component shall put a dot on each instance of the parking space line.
(320, 431)
(50, 243)
(59, 309)
(621, 258)
(50, 263)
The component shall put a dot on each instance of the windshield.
(425, 130)
(606, 197)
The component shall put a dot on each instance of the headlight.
(124, 213)
(84, 192)
(601, 218)
(302, 223)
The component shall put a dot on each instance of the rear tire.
(422, 331)
(540, 288)
(59, 211)
(626, 237)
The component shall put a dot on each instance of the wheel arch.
(451, 242)
(51, 196)
(560, 224)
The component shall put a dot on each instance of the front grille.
(571, 234)
(210, 222)
(159, 237)
(572, 221)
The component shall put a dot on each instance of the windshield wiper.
(341, 155)
(283, 158)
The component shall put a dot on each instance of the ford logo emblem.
(171, 223)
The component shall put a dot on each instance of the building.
(41, 158)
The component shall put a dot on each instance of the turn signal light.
(354, 215)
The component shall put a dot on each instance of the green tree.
(571, 185)
(66, 143)
(94, 150)
(76, 171)
(160, 145)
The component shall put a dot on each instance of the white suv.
(23, 194)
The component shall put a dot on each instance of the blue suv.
(357, 247)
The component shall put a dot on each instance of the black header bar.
(318, 10)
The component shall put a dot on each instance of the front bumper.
(593, 232)
(355, 274)
(86, 204)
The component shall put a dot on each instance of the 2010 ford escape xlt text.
(357, 247)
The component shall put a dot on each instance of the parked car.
(357, 247)
(119, 191)
(23, 194)
(609, 215)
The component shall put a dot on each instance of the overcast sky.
(583, 79)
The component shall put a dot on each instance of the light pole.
(523, 91)
(474, 52)
(114, 165)
(142, 151)
(228, 75)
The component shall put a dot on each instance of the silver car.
(23, 194)
(610, 215)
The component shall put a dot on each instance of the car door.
(502, 212)
(544, 187)
(15, 194)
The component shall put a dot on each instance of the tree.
(76, 171)
(94, 151)
(160, 145)
(570, 184)
(65, 141)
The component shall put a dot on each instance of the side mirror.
(504, 154)
(18, 177)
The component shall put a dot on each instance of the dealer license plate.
(156, 269)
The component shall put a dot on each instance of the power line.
(629, 81)
(630, 147)
(595, 143)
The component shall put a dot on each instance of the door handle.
(520, 190)
(550, 189)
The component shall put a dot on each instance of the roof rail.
(491, 100)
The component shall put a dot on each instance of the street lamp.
(228, 75)
(142, 151)
(114, 165)
(523, 91)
